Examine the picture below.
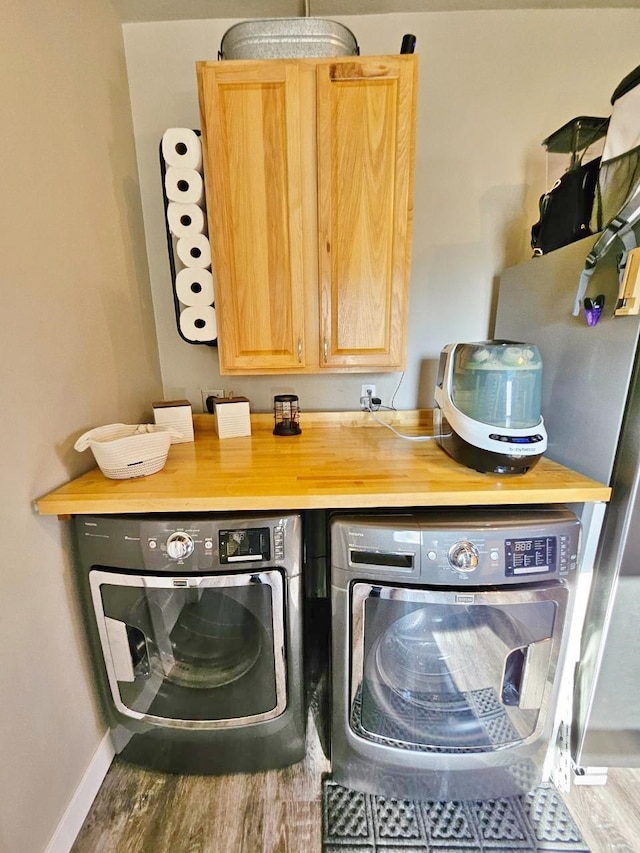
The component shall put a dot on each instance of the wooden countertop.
(341, 460)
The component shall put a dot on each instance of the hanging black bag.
(565, 211)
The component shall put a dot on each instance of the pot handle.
(408, 43)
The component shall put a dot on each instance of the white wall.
(492, 86)
(77, 349)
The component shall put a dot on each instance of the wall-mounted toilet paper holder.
(186, 229)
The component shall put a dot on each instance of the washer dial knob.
(463, 556)
(179, 546)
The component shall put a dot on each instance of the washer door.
(451, 671)
(195, 652)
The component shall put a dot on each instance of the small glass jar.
(286, 414)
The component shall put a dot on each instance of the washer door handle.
(525, 675)
(128, 648)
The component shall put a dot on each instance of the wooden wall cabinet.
(309, 176)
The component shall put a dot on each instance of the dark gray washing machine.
(196, 627)
(448, 635)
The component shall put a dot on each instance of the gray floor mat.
(539, 822)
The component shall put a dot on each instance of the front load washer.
(195, 624)
(448, 634)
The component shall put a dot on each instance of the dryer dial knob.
(463, 556)
(179, 546)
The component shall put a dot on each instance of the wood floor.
(609, 815)
(138, 811)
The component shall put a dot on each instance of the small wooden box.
(232, 416)
(176, 414)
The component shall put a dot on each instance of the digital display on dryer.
(536, 555)
(245, 545)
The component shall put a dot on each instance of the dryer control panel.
(192, 543)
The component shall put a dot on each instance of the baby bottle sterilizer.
(487, 399)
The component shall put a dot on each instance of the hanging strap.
(621, 227)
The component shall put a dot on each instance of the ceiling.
(179, 10)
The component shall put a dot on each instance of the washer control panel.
(463, 556)
(472, 546)
(499, 556)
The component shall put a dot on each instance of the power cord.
(393, 396)
(377, 402)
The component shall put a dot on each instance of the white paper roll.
(181, 147)
(194, 251)
(198, 323)
(194, 287)
(184, 185)
(185, 220)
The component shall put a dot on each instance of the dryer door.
(448, 671)
(193, 652)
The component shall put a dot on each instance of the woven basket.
(123, 451)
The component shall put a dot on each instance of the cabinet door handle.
(300, 349)
(325, 348)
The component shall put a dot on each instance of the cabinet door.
(366, 151)
(250, 127)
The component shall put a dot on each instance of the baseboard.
(77, 810)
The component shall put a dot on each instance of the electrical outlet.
(219, 392)
(366, 393)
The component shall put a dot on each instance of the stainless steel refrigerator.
(591, 407)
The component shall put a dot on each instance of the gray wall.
(492, 86)
(77, 349)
